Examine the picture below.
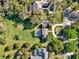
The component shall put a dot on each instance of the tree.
(35, 46)
(16, 45)
(7, 48)
(2, 40)
(56, 45)
(70, 33)
(71, 46)
(75, 56)
(26, 45)
(8, 56)
(75, 25)
(57, 18)
(16, 37)
(74, 6)
(38, 16)
(64, 4)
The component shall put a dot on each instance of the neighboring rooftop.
(71, 15)
(74, 16)
(43, 31)
(45, 24)
(39, 53)
(43, 4)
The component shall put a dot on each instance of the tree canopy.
(70, 33)
(71, 46)
(56, 45)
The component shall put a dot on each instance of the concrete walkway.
(53, 29)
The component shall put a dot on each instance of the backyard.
(11, 31)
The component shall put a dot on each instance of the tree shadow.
(18, 53)
(27, 24)
(15, 55)
(14, 18)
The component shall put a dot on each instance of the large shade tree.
(71, 46)
(15, 8)
(56, 45)
(70, 33)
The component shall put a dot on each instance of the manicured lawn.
(1, 51)
(11, 31)
(25, 35)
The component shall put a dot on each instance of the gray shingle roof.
(40, 53)
(73, 16)
(36, 57)
(43, 4)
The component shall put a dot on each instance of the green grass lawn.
(25, 36)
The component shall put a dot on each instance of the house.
(43, 31)
(67, 12)
(33, 7)
(74, 16)
(37, 33)
(69, 16)
(43, 4)
(77, 14)
(45, 23)
(39, 53)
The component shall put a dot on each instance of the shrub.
(2, 40)
(8, 56)
(16, 37)
(16, 45)
(1, 30)
(7, 48)
(26, 45)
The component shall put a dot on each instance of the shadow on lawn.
(26, 22)
(14, 18)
